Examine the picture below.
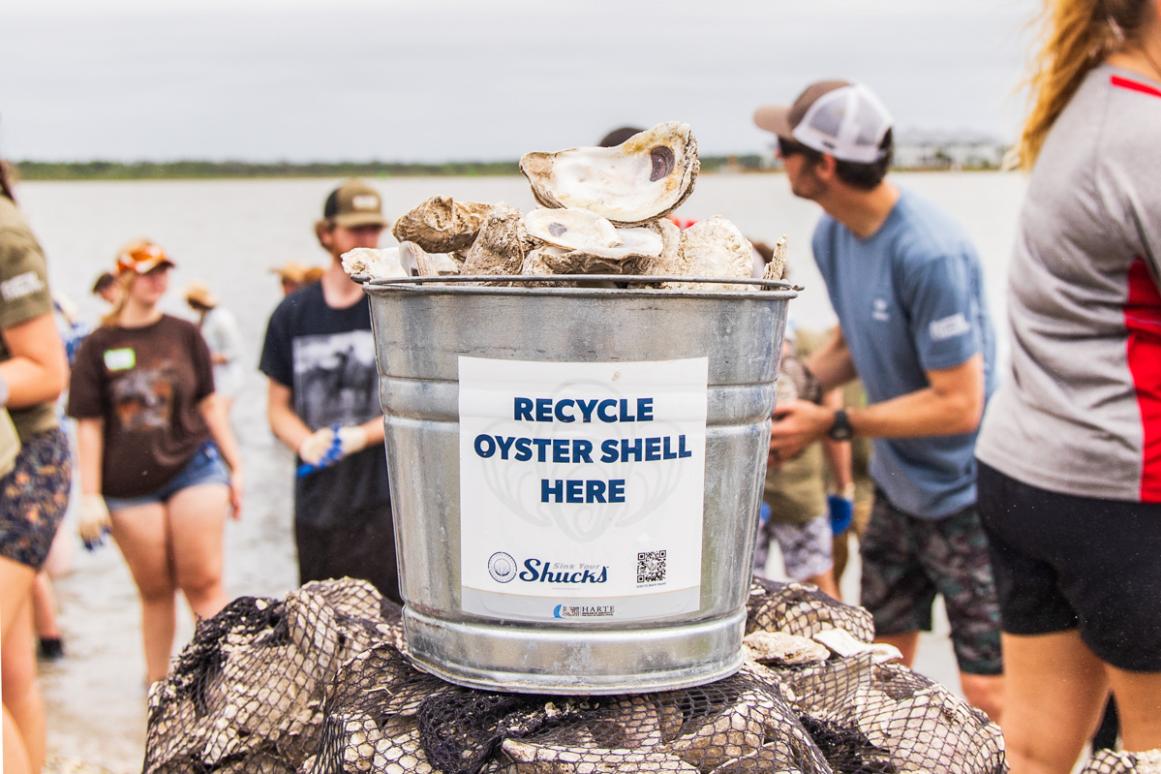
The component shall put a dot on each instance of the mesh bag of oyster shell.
(319, 683)
(801, 609)
(1111, 762)
(246, 694)
(739, 724)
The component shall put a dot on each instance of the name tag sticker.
(120, 359)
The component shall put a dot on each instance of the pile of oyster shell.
(604, 212)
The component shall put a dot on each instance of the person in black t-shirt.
(323, 403)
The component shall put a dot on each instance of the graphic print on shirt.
(143, 399)
(335, 378)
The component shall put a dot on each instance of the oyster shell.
(557, 759)
(776, 269)
(714, 248)
(628, 259)
(424, 264)
(783, 649)
(441, 224)
(571, 229)
(643, 178)
(376, 263)
(500, 246)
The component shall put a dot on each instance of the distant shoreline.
(242, 170)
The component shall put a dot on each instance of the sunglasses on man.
(787, 148)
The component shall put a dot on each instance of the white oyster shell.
(571, 229)
(376, 263)
(643, 178)
(714, 248)
(776, 269)
(424, 264)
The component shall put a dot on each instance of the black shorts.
(1064, 562)
(362, 546)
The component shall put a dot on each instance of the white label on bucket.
(581, 488)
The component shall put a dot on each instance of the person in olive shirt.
(34, 491)
(152, 439)
(323, 404)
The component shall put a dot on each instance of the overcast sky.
(403, 80)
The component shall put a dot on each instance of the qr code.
(651, 566)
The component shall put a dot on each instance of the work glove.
(317, 445)
(841, 507)
(352, 440)
(327, 446)
(94, 523)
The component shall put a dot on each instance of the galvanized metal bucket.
(481, 613)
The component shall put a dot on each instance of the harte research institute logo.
(502, 567)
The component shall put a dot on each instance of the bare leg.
(142, 536)
(15, 756)
(1054, 691)
(1138, 707)
(826, 584)
(44, 607)
(907, 643)
(197, 520)
(21, 691)
(985, 692)
(15, 626)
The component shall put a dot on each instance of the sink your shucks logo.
(502, 567)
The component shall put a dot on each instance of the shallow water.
(228, 234)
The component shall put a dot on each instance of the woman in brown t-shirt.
(153, 438)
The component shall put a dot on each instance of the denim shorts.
(206, 467)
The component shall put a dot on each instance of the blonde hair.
(113, 316)
(1077, 35)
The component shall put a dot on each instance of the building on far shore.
(917, 149)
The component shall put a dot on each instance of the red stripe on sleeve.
(1125, 83)
(1143, 322)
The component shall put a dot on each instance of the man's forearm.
(832, 364)
(287, 427)
(374, 430)
(921, 413)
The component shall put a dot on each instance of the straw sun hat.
(198, 293)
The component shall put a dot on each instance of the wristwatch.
(841, 429)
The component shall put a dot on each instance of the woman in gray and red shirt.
(152, 439)
(1070, 449)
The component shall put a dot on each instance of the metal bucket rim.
(770, 289)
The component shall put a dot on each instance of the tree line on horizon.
(191, 168)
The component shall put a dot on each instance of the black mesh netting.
(1109, 762)
(318, 683)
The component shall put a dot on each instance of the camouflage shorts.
(33, 497)
(907, 561)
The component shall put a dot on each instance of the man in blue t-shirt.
(906, 285)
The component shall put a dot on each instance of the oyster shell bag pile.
(603, 213)
(319, 683)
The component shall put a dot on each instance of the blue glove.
(842, 513)
(764, 513)
(310, 449)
